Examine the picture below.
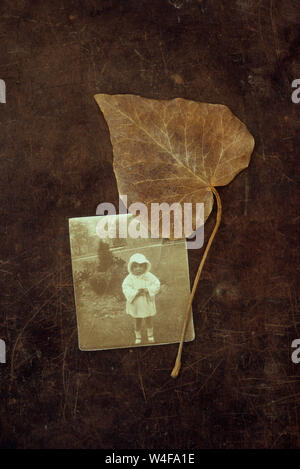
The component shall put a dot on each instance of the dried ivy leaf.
(174, 151)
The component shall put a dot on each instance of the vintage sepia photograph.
(128, 291)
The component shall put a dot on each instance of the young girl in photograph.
(140, 287)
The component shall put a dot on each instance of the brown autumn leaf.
(174, 150)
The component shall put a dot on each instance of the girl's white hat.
(139, 259)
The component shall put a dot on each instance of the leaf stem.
(177, 365)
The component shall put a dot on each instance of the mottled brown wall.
(238, 387)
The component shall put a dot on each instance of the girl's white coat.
(140, 307)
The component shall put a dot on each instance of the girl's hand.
(146, 293)
(143, 292)
(140, 292)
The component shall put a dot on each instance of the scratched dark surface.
(238, 387)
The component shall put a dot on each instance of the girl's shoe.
(150, 335)
(138, 337)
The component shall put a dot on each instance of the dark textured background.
(238, 387)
